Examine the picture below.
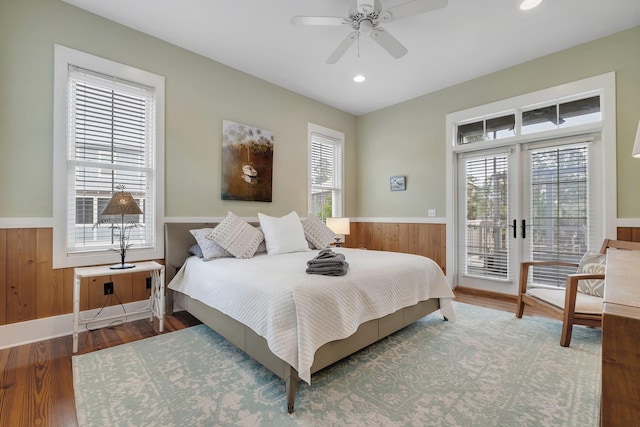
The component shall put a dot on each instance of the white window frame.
(602, 85)
(338, 208)
(63, 57)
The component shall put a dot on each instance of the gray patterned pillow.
(210, 249)
(317, 233)
(592, 263)
(263, 245)
(236, 236)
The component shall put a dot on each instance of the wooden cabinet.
(620, 404)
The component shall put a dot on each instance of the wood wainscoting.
(428, 240)
(31, 289)
(629, 234)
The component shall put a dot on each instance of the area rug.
(485, 369)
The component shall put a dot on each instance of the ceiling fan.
(365, 18)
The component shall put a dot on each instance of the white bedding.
(298, 312)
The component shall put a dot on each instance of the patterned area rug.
(485, 369)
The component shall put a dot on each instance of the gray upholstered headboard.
(177, 241)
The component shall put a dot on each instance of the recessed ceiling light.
(529, 4)
(359, 78)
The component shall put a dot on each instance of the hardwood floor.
(36, 381)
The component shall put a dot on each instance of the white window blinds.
(111, 139)
(326, 176)
(487, 229)
(562, 210)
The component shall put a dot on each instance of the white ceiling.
(466, 39)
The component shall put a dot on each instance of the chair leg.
(567, 329)
(571, 291)
(519, 307)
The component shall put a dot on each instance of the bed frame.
(178, 240)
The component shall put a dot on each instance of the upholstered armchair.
(580, 303)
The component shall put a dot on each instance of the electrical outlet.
(432, 212)
(108, 288)
(148, 281)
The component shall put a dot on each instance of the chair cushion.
(585, 303)
(592, 263)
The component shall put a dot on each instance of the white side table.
(156, 301)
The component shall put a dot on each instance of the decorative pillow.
(317, 233)
(283, 235)
(236, 236)
(262, 248)
(196, 251)
(592, 263)
(208, 248)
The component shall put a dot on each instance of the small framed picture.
(397, 183)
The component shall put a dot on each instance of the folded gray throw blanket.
(328, 263)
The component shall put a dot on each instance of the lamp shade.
(636, 147)
(121, 204)
(339, 225)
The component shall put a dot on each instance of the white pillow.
(236, 236)
(283, 235)
(209, 248)
(317, 233)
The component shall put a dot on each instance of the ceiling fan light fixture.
(366, 26)
(529, 4)
(359, 78)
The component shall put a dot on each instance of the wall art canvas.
(247, 162)
(397, 183)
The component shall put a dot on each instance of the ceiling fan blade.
(319, 20)
(411, 8)
(388, 42)
(342, 48)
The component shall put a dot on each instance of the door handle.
(524, 228)
(515, 228)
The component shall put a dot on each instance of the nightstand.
(156, 301)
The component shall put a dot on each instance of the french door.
(528, 201)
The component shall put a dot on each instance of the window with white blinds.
(325, 173)
(562, 217)
(110, 140)
(487, 202)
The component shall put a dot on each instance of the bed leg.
(168, 300)
(291, 385)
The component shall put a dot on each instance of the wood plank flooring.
(36, 381)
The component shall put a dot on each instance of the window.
(325, 172)
(487, 129)
(549, 116)
(561, 115)
(486, 229)
(561, 209)
(108, 133)
(526, 181)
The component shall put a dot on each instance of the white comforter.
(298, 312)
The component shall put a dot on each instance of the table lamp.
(122, 204)
(340, 226)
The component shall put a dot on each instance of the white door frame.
(602, 85)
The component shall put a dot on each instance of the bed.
(303, 328)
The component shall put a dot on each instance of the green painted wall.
(405, 139)
(200, 94)
(409, 138)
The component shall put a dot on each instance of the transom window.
(527, 120)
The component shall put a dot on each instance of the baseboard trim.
(486, 294)
(30, 331)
